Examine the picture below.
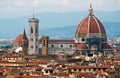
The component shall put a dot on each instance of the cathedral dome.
(19, 39)
(90, 25)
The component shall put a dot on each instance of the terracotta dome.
(82, 46)
(90, 24)
(18, 39)
(106, 46)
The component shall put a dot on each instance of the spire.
(24, 45)
(24, 34)
(90, 10)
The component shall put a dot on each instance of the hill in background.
(52, 21)
(68, 32)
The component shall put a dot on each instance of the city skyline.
(65, 39)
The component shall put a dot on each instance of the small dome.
(82, 47)
(106, 46)
(19, 39)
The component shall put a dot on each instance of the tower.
(33, 35)
(44, 45)
(24, 44)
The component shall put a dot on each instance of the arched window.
(31, 30)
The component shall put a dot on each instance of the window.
(75, 69)
(70, 46)
(31, 39)
(52, 46)
(36, 30)
(44, 43)
(46, 71)
(31, 47)
(61, 45)
(31, 30)
(83, 39)
(79, 69)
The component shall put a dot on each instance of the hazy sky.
(17, 8)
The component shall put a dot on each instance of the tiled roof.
(86, 75)
(19, 38)
(65, 74)
(90, 25)
(80, 67)
(29, 76)
(11, 56)
(41, 61)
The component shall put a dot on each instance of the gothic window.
(31, 30)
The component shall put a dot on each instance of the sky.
(18, 8)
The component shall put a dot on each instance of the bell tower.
(33, 35)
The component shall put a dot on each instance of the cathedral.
(90, 38)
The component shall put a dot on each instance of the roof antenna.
(33, 14)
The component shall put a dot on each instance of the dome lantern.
(90, 10)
